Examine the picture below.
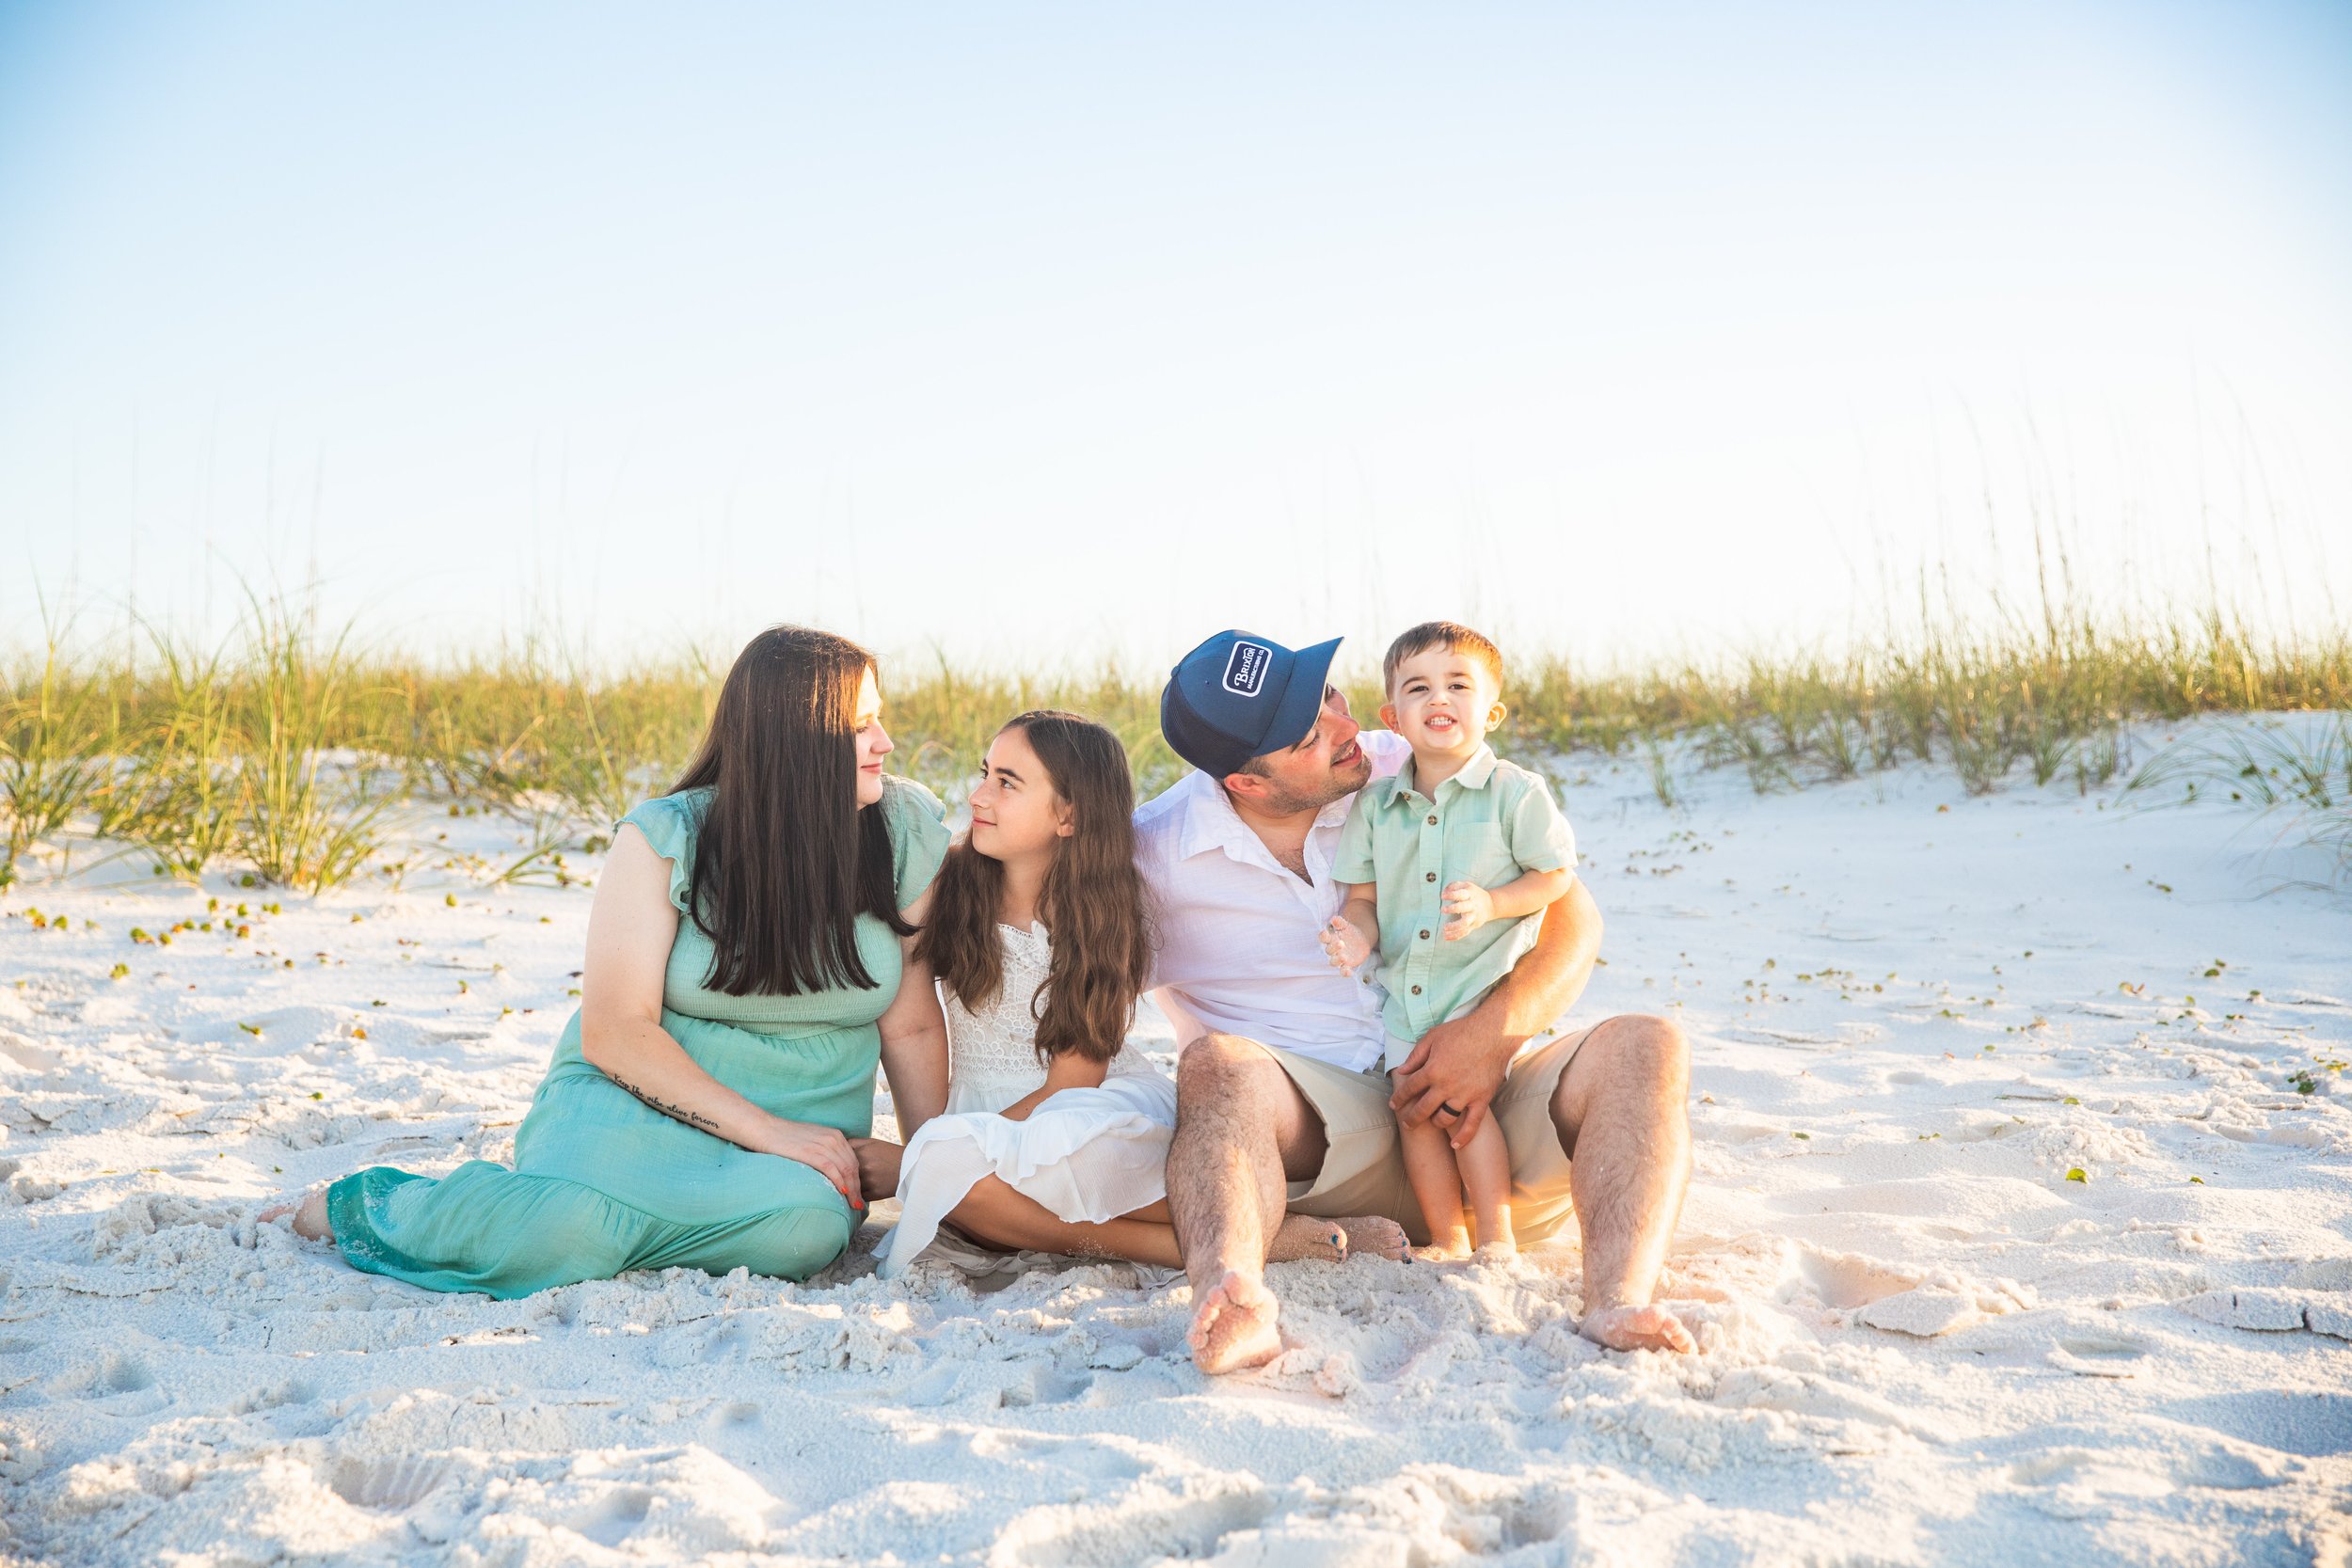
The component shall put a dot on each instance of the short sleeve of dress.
(1352, 861)
(670, 823)
(1541, 839)
(919, 835)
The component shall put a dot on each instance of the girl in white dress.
(1057, 1130)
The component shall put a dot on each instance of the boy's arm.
(1542, 844)
(1353, 934)
(1467, 905)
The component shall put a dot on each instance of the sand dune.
(2020, 1232)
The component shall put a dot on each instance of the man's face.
(1323, 765)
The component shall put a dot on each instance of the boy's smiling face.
(1443, 701)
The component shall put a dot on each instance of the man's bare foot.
(309, 1216)
(1637, 1328)
(1233, 1325)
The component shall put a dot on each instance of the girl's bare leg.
(1485, 1163)
(1001, 1215)
(1437, 1186)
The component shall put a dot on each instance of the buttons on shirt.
(1433, 819)
(1416, 990)
(1429, 876)
(1425, 935)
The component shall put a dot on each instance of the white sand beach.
(2020, 1232)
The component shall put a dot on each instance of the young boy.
(1444, 861)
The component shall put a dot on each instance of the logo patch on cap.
(1246, 667)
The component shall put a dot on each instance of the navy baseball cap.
(1240, 695)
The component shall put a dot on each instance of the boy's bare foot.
(1637, 1328)
(1446, 1246)
(1233, 1325)
(1496, 1252)
(309, 1216)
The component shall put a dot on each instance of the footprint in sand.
(390, 1484)
(1044, 1385)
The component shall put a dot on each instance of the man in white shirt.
(1281, 1103)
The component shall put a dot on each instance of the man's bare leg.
(1242, 1128)
(1622, 1116)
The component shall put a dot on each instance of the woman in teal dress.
(709, 1105)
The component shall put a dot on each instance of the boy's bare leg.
(1620, 1110)
(1437, 1180)
(1485, 1165)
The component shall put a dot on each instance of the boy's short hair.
(1450, 635)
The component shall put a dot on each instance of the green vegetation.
(281, 750)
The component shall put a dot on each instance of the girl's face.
(1016, 813)
(873, 743)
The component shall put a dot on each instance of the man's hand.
(1457, 1065)
(1345, 945)
(1468, 907)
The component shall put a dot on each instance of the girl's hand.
(878, 1162)
(1468, 907)
(823, 1149)
(1345, 945)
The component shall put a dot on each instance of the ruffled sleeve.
(918, 835)
(669, 824)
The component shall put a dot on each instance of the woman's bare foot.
(309, 1216)
(1234, 1326)
(1637, 1328)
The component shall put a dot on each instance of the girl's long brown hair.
(1092, 902)
(785, 862)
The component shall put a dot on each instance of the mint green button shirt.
(1488, 824)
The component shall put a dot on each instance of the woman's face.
(873, 743)
(1016, 813)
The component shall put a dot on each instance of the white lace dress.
(1087, 1155)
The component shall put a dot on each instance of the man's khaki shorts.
(1363, 1169)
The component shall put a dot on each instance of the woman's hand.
(823, 1149)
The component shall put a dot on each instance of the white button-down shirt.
(1240, 933)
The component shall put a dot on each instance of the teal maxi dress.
(604, 1183)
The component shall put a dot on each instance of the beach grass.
(280, 750)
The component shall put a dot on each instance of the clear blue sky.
(1042, 332)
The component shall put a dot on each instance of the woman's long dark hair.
(786, 861)
(1092, 902)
